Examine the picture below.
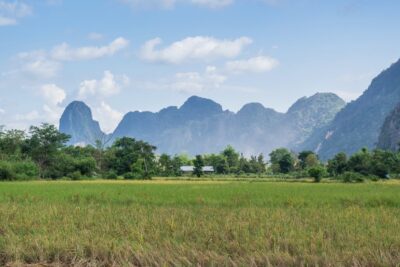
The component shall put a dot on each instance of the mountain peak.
(77, 121)
(197, 107)
(317, 100)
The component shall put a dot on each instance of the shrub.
(25, 170)
(6, 171)
(76, 175)
(352, 177)
(112, 175)
(317, 173)
(129, 176)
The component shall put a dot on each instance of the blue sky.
(125, 55)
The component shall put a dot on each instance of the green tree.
(128, 155)
(232, 158)
(360, 162)
(44, 146)
(307, 159)
(198, 163)
(11, 143)
(383, 163)
(219, 162)
(166, 166)
(337, 165)
(282, 160)
(317, 172)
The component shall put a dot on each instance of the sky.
(125, 55)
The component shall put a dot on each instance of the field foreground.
(199, 223)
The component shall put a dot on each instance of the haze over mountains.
(322, 123)
(359, 124)
(201, 125)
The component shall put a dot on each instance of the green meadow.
(203, 223)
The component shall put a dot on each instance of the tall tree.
(198, 163)
(44, 145)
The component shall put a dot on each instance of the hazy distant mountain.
(77, 121)
(201, 125)
(389, 138)
(358, 124)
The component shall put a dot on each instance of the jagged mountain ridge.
(358, 124)
(201, 125)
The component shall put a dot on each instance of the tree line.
(42, 153)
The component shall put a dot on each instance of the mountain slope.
(358, 124)
(201, 126)
(308, 114)
(77, 121)
(389, 138)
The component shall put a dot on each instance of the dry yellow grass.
(177, 223)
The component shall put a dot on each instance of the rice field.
(203, 223)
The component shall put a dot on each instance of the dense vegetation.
(42, 153)
(177, 223)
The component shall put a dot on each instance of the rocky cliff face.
(389, 138)
(359, 123)
(77, 121)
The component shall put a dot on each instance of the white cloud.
(30, 116)
(2, 111)
(44, 64)
(10, 12)
(106, 86)
(64, 52)
(107, 116)
(53, 94)
(194, 82)
(255, 64)
(193, 48)
(38, 64)
(7, 21)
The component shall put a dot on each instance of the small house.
(190, 169)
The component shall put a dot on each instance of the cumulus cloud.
(194, 82)
(108, 85)
(54, 97)
(107, 116)
(64, 52)
(53, 94)
(30, 116)
(44, 64)
(256, 64)
(193, 48)
(38, 64)
(10, 12)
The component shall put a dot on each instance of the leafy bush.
(25, 170)
(352, 177)
(76, 175)
(112, 175)
(317, 173)
(129, 176)
(6, 171)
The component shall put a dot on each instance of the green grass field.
(160, 223)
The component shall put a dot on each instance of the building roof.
(191, 168)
